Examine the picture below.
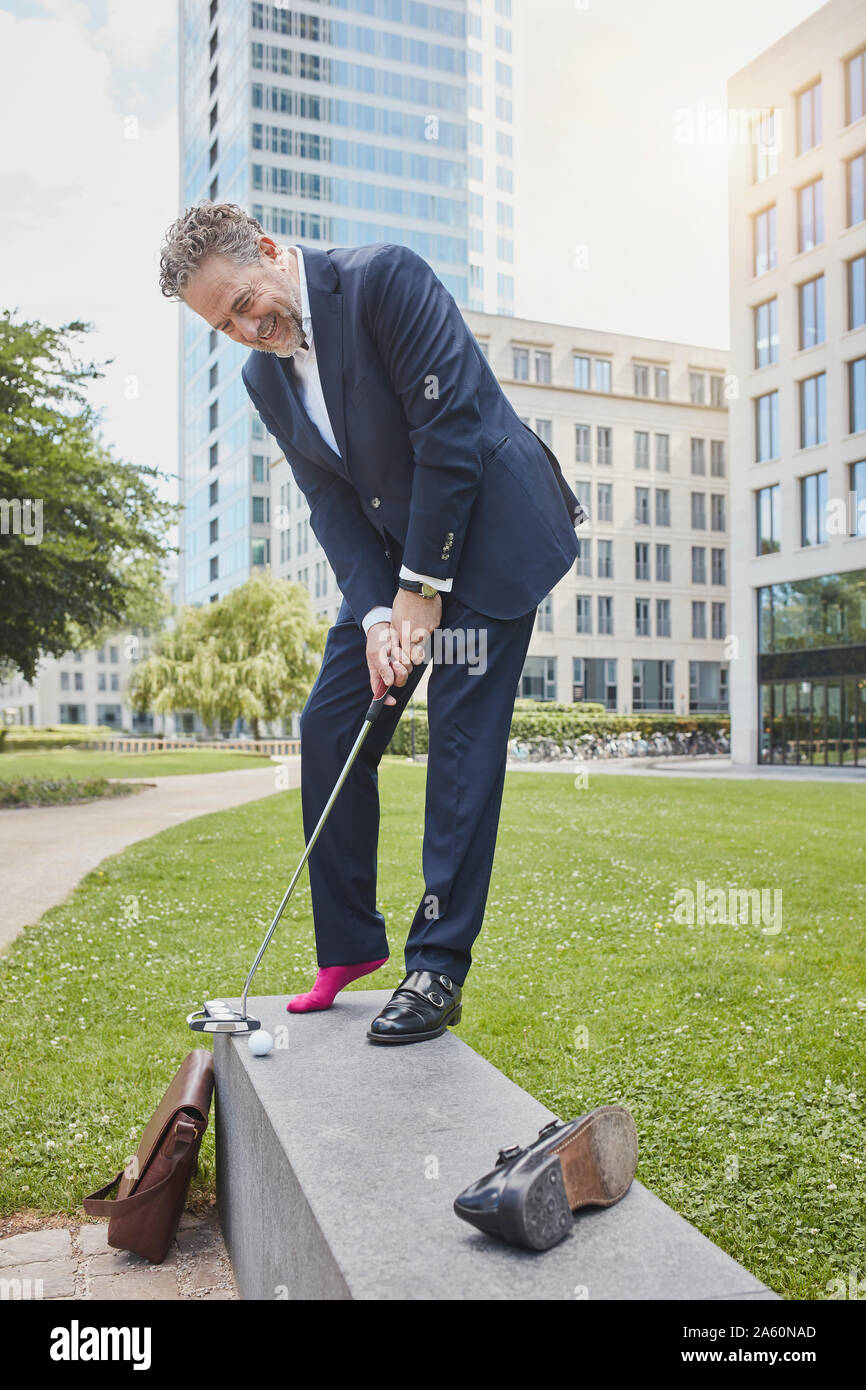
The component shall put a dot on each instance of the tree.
(83, 536)
(253, 655)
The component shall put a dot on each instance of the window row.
(811, 319)
(767, 127)
(644, 449)
(594, 679)
(715, 573)
(812, 412)
(816, 512)
(809, 215)
(644, 608)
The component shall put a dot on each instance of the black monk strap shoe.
(529, 1196)
(422, 1007)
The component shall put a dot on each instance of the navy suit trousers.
(470, 703)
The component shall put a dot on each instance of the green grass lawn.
(739, 1052)
(21, 766)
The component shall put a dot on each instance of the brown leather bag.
(152, 1188)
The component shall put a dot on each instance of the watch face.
(427, 591)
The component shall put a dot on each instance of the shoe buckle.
(548, 1128)
(436, 999)
(444, 980)
(506, 1155)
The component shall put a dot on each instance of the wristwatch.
(416, 587)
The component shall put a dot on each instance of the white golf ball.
(260, 1043)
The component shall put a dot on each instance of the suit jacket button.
(375, 501)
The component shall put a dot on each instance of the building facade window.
(717, 458)
(663, 564)
(810, 202)
(641, 560)
(708, 686)
(542, 368)
(699, 618)
(662, 379)
(699, 458)
(582, 444)
(604, 444)
(857, 395)
(663, 453)
(813, 509)
(766, 251)
(809, 118)
(663, 506)
(857, 485)
(641, 449)
(641, 506)
(581, 373)
(855, 88)
(718, 566)
(604, 501)
(697, 388)
(642, 617)
(605, 615)
(813, 411)
(811, 312)
(520, 363)
(768, 511)
(766, 325)
(767, 427)
(641, 379)
(699, 564)
(602, 375)
(856, 189)
(652, 685)
(857, 292)
(584, 614)
(538, 680)
(699, 511)
(663, 617)
(605, 559)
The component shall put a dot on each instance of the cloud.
(88, 184)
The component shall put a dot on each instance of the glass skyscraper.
(335, 123)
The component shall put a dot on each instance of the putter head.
(217, 1017)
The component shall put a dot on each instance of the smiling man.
(437, 508)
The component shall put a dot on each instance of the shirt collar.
(306, 316)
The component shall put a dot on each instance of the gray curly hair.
(207, 229)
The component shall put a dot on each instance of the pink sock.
(329, 981)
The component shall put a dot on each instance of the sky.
(89, 178)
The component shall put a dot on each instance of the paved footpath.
(76, 1262)
(46, 850)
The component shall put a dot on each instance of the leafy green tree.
(253, 655)
(83, 536)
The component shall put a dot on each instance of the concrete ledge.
(338, 1162)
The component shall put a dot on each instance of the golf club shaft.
(369, 719)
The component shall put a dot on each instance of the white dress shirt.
(306, 370)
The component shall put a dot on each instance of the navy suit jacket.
(433, 457)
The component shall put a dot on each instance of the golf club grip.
(377, 702)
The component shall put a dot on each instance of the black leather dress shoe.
(529, 1196)
(422, 1007)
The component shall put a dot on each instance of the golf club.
(216, 1016)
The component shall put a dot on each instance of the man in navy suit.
(445, 520)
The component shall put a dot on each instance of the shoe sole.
(594, 1166)
(402, 1041)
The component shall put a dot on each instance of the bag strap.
(96, 1205)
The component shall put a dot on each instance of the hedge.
(539, 719)
(60, 791)
(28, 738)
